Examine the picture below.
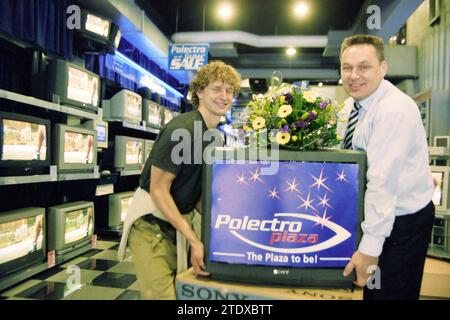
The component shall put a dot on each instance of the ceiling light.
(320, 84)
(291, 51)
(225, 11)
(340, 81)
(403, 41)
(301, 9)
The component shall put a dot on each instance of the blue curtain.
(41, 22)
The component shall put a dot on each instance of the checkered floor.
(102, 277)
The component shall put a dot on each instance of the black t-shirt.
(178, 149)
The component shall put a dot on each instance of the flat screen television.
(441, 187)
(166, 115)
(126, 105)
(68, 84)
(118, 207)
(22, 239)
(291, 218)
(102, 134)
(151, 113)
(24, 144)
(70, 226)
(128, 153)
(75, 148)
(442, 141)
(148, 146)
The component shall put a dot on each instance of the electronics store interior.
(86, 86)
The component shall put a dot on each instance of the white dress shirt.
(399, 180)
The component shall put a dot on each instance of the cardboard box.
(436, 279)
(190, 287)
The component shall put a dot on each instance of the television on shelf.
(167, 115)
(148, 146)
(24, 145)
(128, 153)
(441, 187)
(75, 148)
(98, 33)
(151, 113)
(126, 105)
(292, 219)
(70, 226)
(22, 239)
(118, 207)
(69, 84)
(442, 141)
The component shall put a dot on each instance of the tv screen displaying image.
(133, 105)
(78, 147)
(23, 140)
(151, 113)
(133, 152)
(97, 25)
(168, 115)
(101, 133)
(438, 179)
(78, 225)
(21, 237)
(82, 86)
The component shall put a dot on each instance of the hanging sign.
(187, 56)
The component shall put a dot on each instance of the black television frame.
(275, 275)
(25, 167)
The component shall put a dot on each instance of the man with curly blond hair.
(170, 185)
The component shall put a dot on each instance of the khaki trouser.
(155, 259)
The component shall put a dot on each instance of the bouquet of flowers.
(294, 119)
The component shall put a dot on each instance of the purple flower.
(312, 116)
(285, 128)
(300, 124)
(288, 98)
(323, 104)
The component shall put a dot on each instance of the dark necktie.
(351, 126)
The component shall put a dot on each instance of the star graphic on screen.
(341, 176)
(307, 202)
(255, 176)
(320, 182)
(292, 186)
(241, 179)
(273, 193)
(324, 201)
(323, 219)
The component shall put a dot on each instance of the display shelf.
(439, 152)
(46, 104)
(133, 126)
(130, 173)
(78, 176)
(4, 181)
(22, 275)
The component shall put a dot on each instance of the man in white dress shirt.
(398, 211)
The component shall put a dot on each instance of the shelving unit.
(440, 237)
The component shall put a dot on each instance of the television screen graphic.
(133, 106)
(438, 179)
(23, 140)
(101, 133)
(133, 152)
(21, 237)
(167, 116)
(78, 147)
(124, 204)
(82, 87)
(154, 116)
(305, 215)
(78, 224)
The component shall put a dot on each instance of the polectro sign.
(303, 216)
(187, 56)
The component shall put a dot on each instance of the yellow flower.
(246, 128)
(294, 138)
(283, 137)
(282, 99)
(284, 111)
(308, 95)
(259, 123)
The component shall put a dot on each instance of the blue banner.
(303, 216)
(187, 56)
